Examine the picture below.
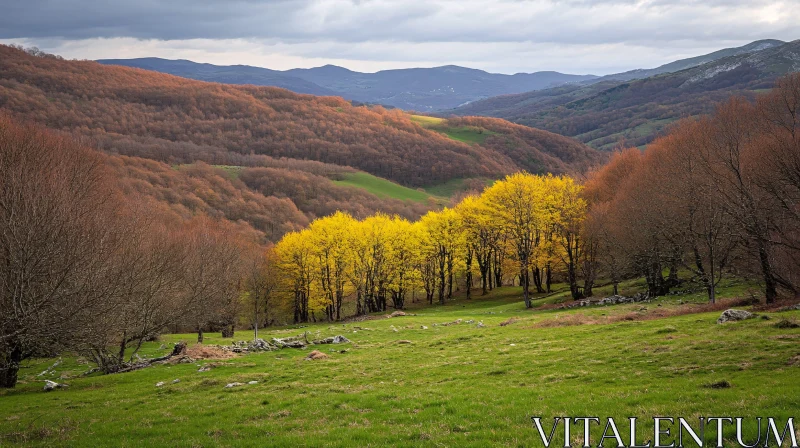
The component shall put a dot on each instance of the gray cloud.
(494, 34)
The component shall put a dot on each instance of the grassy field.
(466, 134)
(456, 385)
(384, 188)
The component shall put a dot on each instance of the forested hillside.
(154, 111)
(608, 112)
(261, 156)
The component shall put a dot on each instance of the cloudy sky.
(505, 36)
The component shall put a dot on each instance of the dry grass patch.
(200, 351)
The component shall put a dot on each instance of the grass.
(470, 135)
(456, 385)
(384, 188)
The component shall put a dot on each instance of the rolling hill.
(605, 113)
(266, 157)
(422, 89)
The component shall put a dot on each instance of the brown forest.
(141, 113)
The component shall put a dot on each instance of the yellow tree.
(517, 206)
(567, 210)
(331, 253)
(295, 253)
(401, 259)
(482, 236)
(444, 235)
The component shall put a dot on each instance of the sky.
(502, 36)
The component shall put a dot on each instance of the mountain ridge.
(606, 113)
(423, 89)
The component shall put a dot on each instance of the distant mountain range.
(608, 111)
(633, 106)
(421, 89)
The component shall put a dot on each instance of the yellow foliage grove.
(524, 229)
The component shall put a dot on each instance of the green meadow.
(413, 381)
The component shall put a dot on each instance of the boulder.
(734, 315)
(231, 385)
(397, 314)
(338, 339)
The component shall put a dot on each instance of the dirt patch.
(509, 321)
(795, 361)
(315, 355)
(200, 351)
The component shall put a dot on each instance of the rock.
(159, 384)
(423, 327)
(176, 381)
(480, 325)
(293, 342)
(252, 382)
(205, 368)
(231, 385)
(315, 355)
(397, 314)
(734, 315)
(52, 385)
(790, 308)
(404, 341)
(338, 339)
(469, 321)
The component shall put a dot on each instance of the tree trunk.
(770, 285)
(199, 335)
(9, 367)
(228, 331)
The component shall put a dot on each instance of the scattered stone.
(765, 317)
(397, 314)
(252, 382)
(469, 321)
(447, 324)
(404, 341)
(291, 342)
(480, 324)
(52, 385)
(205, 368)
(159, 384)
(316, 354)
(790, 308)
(734, 315)
(50, 369)
(423, 327)
(231, 385)
(338, 339)
(512, 345)
(176, 381)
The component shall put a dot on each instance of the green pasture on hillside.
(413, 381)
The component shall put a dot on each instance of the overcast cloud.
(507, 36)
